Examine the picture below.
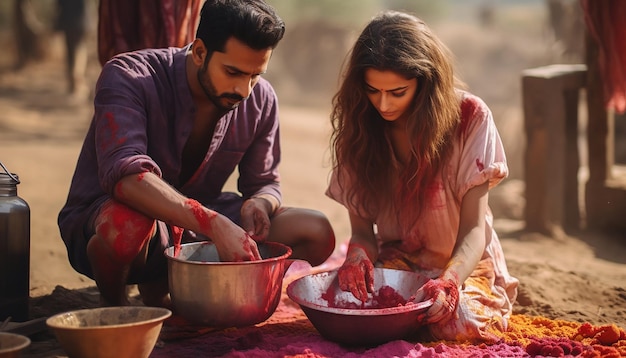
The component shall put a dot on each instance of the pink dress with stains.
(487, 296)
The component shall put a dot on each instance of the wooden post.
(550, 99)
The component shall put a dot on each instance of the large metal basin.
(208, 292)
(321, 299)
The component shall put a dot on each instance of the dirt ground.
(580, 278)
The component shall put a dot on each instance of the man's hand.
(255, 217)
(232, 242)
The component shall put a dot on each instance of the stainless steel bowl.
(320, 298)
(208, 292)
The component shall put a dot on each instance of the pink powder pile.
(288, 333)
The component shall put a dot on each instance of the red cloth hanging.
(126, 25)
(606, 22)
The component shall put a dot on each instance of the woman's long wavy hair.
(402, 43)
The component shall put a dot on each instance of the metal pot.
(208, 292)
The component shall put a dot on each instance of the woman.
(413, 159)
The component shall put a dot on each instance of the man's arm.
(150, 195)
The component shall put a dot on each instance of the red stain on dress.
(468, 108)
(480, 165)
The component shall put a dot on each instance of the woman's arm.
(357, 272)
(471, 241)
(363, 237)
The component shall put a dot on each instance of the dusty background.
(579, 278)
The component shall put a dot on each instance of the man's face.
(227, 78)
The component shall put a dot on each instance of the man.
(72, 21)
(170, 126)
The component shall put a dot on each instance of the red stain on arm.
(119, 193)
(119, 187)
(204, 217)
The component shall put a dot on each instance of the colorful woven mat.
(288, 333)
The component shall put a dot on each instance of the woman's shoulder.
(474, 113)
(472, 105)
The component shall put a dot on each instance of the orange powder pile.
(538, 333)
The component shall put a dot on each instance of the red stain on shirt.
(108, 136)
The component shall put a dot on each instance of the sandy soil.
(579, 278)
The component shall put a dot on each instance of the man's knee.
(125, 230)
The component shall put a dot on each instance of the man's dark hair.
(252, 22)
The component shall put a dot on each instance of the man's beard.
(211, 93)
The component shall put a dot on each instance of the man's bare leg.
(308, 233)
(110, 275)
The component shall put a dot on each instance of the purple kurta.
(143, 116)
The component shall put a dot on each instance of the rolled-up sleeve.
(120, 125)
(482, 153)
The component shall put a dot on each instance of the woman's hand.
(445, 296)
(357, 273)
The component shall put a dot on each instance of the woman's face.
(389, 92)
